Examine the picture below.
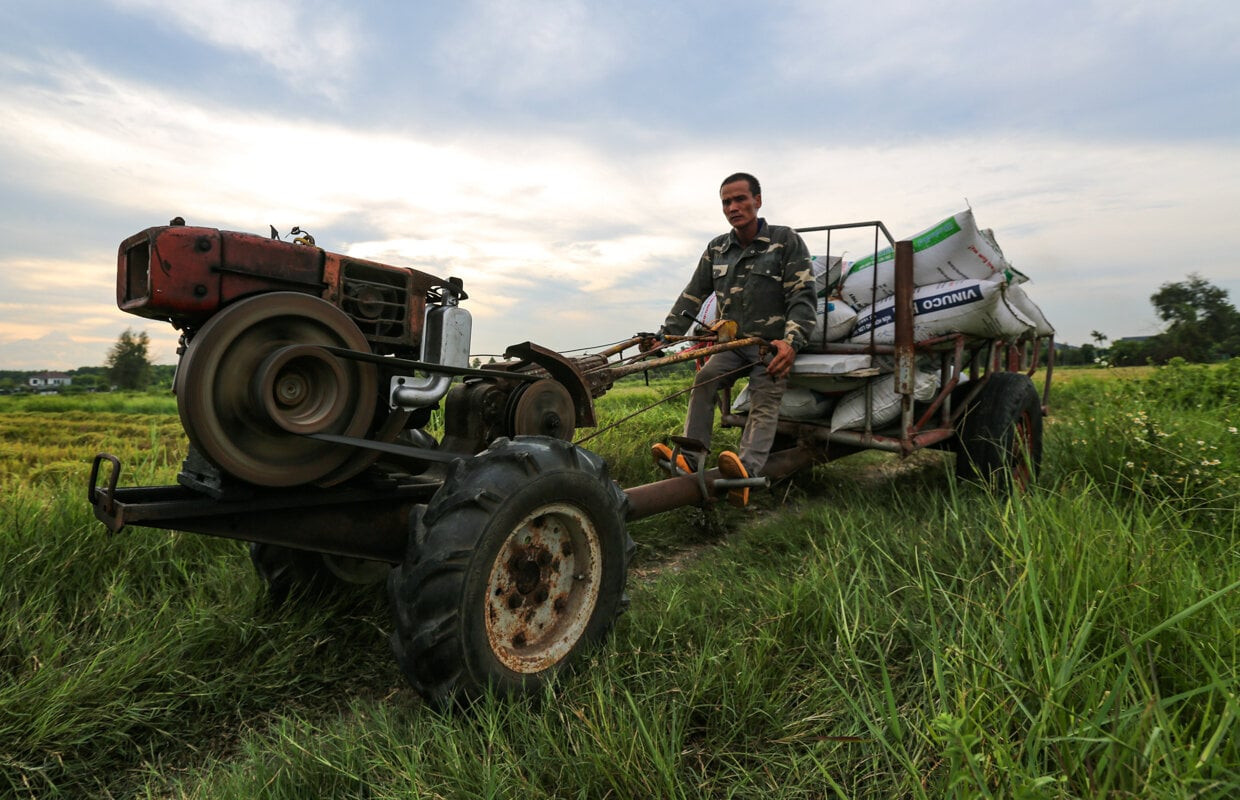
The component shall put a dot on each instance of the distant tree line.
(1202, 325)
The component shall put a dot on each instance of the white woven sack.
(832, 326)
(708, 313)
(975, 307)
(797, 403)
(826, 274)
(740, 403)
(952, 250)
(849, 412)
(828, 374)
(1024, 307)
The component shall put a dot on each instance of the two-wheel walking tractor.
(306, 382)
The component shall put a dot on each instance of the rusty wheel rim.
(543, 587)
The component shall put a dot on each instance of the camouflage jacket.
(767, 287)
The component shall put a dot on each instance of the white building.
(50, 380)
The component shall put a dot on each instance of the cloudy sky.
(563, 158)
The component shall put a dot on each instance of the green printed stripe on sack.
(922, 241)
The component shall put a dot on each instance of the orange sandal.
(663, 457)
(730, 466)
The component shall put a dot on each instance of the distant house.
(50, 380)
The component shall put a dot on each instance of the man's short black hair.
(755, 188)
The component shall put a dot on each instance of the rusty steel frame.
(355, 521)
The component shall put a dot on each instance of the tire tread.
(426, 592)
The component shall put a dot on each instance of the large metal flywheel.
(255, 378)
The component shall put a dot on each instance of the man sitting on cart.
(762, 279)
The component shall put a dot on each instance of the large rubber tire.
(518, 564)
(1001, 434)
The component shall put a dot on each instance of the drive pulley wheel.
(542, 408)
(255, 377)
(518, 563)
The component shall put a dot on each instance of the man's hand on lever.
(781, 363)
(650, 342)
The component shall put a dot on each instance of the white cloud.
(37, 347)
(58, 275)
(844, 43)
(1194, 29)
(310, 44)
(974, 65)
(544, 228)
(521, 47)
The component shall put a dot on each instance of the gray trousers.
(765, 392)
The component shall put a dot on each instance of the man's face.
(739, 206)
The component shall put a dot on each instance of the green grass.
(865, 632)
(152, 402)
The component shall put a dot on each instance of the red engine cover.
(184, 275)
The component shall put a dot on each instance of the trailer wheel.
(286, 569)
(518, 563)
(1001, 433)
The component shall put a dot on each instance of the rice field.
(868, 629)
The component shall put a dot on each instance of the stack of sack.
(846, 409)
(962, 284)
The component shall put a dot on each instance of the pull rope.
(743, 368)
(595, 347)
